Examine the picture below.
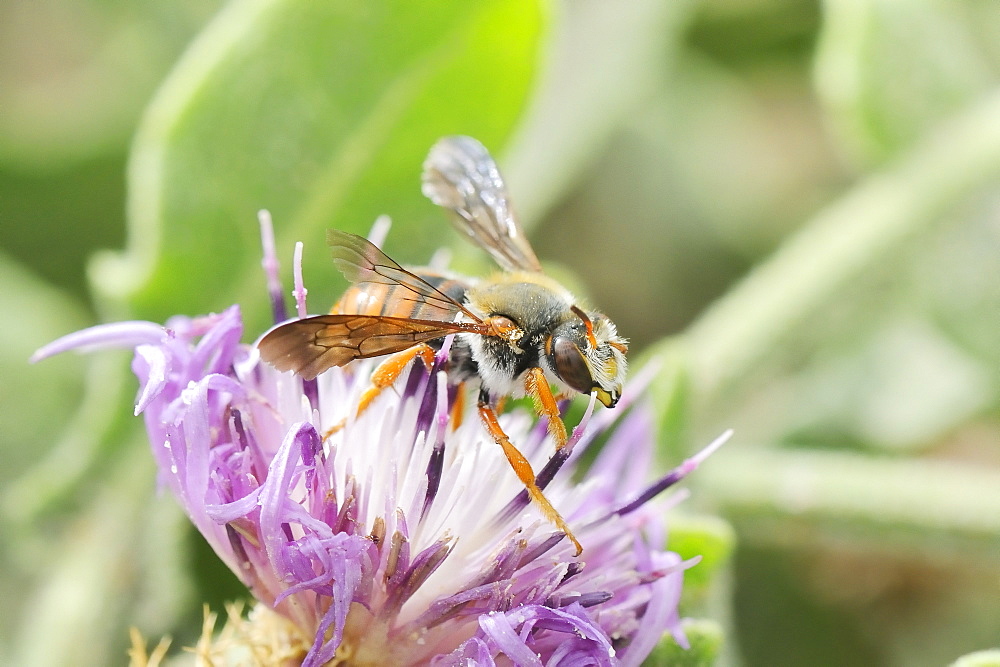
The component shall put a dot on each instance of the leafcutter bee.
(516, 333)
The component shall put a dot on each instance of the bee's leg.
(523, 470)
(538, 388)
(384, 376)
(458, 407)
(387, 372)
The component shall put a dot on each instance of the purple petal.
(581, 428)
(584, 599)
(501, 633)
(226, 512)
(674, 476)
(345, 570)
(104, 336)
(191, 461)
(424, 565)
(150, 366)
(300, 291)
(215, 351)
(275, 491)
(271, 267)
(661, 611)
(473, 652)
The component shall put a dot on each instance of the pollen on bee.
(506, 328)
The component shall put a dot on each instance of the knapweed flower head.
(404, 538)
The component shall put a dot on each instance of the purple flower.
(404, 538)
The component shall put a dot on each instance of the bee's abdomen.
(395, 300)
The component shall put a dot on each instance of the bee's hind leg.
(523, 470)
(384, 376)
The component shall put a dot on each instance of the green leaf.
(670, 394)
(38, 400)
(706, 639)
(79, 97)
(90, 575)
(987, 658)
(321, 112)
(605, 61)
(51, 424)
(888, 71)
(866, 226)
(709, 537)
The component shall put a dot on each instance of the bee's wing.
(460, 175)
(361, 261)
(312, 345)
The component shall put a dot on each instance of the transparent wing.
(361, 261)
(314, 344)
(461, 176)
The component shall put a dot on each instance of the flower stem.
(927, 509)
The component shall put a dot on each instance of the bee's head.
(587, 354)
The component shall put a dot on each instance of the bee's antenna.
(587, 323)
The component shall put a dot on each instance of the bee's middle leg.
(523, 470)
(384, 376)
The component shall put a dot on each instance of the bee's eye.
(570, 365)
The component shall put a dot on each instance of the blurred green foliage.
(793, 207)
(331, 133)
(705, 639)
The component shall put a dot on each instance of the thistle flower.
(403, 538)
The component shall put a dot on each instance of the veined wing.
(361, 261)
(314, 344)
(461, 176)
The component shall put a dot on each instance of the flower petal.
(150, 366)
(104, 336)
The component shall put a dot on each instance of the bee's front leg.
(522, 468)
(538, 388)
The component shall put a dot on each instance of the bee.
(516, 333)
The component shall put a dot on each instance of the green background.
(792, 207)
